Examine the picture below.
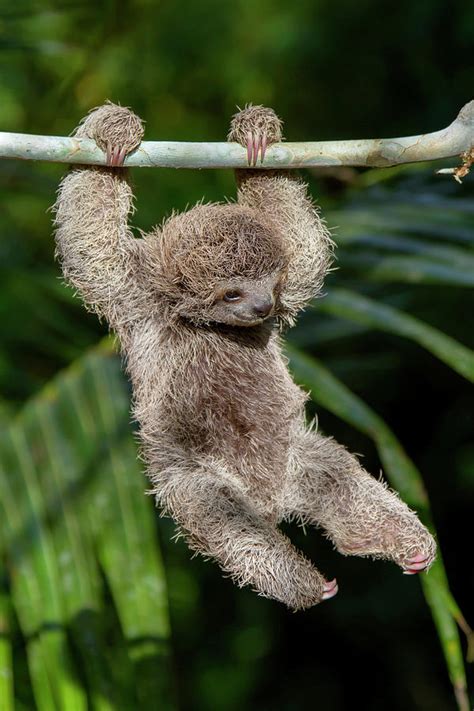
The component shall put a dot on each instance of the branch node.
(460, 171)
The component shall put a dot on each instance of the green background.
(330, 70)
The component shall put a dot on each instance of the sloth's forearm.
(220, 524)
(284, 199)
(94, 245)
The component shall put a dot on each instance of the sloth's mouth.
(253, 321)
(249, 323)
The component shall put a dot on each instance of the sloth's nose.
(262, 307)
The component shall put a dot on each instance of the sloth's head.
(246, 302)
(220, 264)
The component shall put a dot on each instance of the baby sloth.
(198, 305)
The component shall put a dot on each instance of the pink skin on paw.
(416, 564)
(330, 589)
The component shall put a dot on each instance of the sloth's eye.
(232, 295)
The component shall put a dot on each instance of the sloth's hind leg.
(221, 522)
(361, 515)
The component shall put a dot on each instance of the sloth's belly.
(227, 401)
(246, 420)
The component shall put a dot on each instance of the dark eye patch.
(232, 295)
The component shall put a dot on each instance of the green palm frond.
(393, 245)
(373, 314)
(330, 393)
(83, 587)
(83, 565)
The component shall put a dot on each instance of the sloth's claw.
(417, 564)
(256, 144)
(249, 147)
(115, 156)
(121, 156)
(263, 147)
(330, 589)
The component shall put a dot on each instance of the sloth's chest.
(213, 394)
(243, 399)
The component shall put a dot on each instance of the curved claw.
(115, 156)
(249, 147)
(256, 144)
(121, 156)
(417, 564)
(256, 148)
(263, 147)
(330, 589)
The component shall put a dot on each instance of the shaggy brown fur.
(222, 424)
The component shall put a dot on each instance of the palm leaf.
(390, 236)
(404, 476)
(373, 314)
(74, 513)
(409, 269)
(6, 657)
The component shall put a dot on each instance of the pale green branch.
(456, 139)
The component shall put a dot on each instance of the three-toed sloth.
(198, 305)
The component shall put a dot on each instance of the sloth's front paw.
(115, 129)
(255, 128)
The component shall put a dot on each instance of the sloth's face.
(241, 302)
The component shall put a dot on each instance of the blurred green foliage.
(396, 330)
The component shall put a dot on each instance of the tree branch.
(456, 139)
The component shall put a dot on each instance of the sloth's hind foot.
(330, 589)
(411, 547)
(418, 564)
